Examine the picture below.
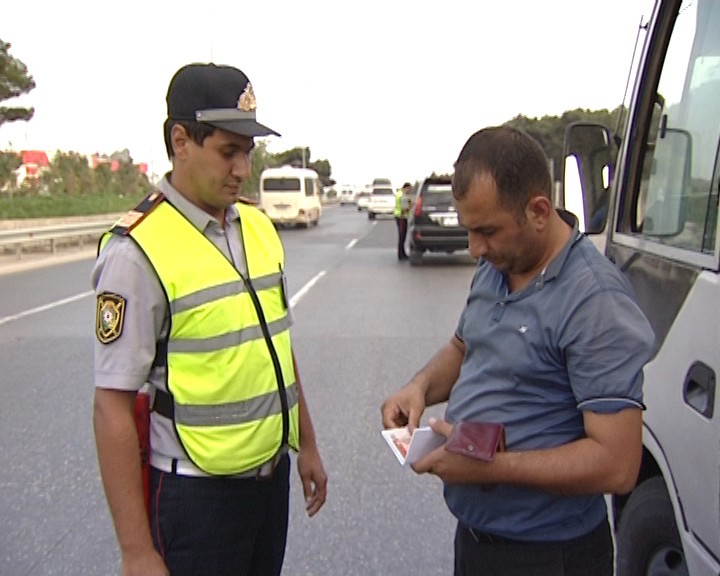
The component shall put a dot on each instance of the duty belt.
(185, 468)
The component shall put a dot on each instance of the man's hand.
(606, 460)
(313, 478)
(450, 468)
(404, 408)
(429, 463)
(147, 563)
(119, 459)
(430, 386)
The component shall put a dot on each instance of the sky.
(379, 88)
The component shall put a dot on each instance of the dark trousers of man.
(402, 233)
(221, 526)
(478, 554)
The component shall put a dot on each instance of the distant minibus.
(291, 196)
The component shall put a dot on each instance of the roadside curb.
(11, 265)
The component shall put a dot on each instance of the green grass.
(60, 206)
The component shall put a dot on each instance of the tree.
(550, 130)
(69, 175)
(128, 180)
(14, 81)
(298, 157)
(322, 167)
(261, 159)
(9, 162)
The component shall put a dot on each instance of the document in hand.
(408, 448)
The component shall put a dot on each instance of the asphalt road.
(364, 323)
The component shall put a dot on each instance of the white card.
(408, 448)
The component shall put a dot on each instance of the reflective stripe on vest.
(220, 373)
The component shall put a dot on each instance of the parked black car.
(433, 225)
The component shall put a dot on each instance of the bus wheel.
(648, 543)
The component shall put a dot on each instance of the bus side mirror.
(589, 153)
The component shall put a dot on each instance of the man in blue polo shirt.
(551, 344)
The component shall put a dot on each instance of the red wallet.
(479, 440)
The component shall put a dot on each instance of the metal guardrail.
(49, 237)
(21, 240)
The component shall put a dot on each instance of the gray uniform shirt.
(123, 269)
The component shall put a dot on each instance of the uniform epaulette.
(133, 217)
(248, 201)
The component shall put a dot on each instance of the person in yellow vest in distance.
(403, 205)
(191, 299)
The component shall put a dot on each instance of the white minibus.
(291, 196)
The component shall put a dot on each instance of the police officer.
(403, 203)
(191, 299)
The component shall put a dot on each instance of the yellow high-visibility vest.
(402, 204)
(398, 203)
(228, 385)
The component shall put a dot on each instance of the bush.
(60, 205)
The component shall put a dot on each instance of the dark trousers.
(478, 554)
(221, 526)
(402, 233)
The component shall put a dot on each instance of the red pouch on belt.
(142, 424)
(480, 440)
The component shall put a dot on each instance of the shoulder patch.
(109, 317)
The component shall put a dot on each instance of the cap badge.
(247, 102)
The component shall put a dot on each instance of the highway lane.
(363, 324)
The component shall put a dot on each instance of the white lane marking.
(305, 289)
(351, 244)
(293, 301)
(45, 307)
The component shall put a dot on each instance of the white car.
(382, 201)
(347, 194)
(361, 199)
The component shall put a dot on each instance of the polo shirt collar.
(553, 269)
(197, 217)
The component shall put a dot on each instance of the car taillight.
(418, 206)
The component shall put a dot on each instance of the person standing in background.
(403, 205)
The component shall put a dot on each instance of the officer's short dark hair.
(197, 131)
